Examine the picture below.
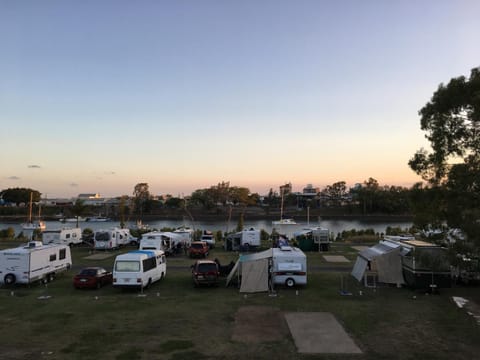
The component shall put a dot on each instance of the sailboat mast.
(30, 208)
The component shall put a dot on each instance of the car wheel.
(289, 282)
(9, 279)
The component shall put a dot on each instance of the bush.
(8, 233)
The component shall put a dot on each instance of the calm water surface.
(334, 226)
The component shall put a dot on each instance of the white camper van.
(32, 262)
(209, 238)
(243, 240)
(289, 266)
(65, 236)
(166, 241)
(112, 238)
(139, 268)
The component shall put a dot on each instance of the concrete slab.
(99, 256)
(319, 333)
(336, 258)
(360, 247)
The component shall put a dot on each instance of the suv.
(205, 272)
(198, 248)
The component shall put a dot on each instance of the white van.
(209, 238)
(289, 266)
(65, 236)
(112, 238)
(139, 268)
(243, 240)
(33, 262)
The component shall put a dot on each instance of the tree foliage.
(20, 195)
(451, 120)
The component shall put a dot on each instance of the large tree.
(451, 120)
(20, 195)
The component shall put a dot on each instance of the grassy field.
(174, 320)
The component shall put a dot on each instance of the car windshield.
(102, 236)
(207, 267)
(197, 246)
(88, 272)
(127, 266)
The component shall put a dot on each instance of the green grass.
(177, 321)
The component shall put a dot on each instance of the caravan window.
(127, 266)
(149, 264)
(67, 236)
(53, 257)
(62, 254)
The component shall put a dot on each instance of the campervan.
(112, 238)
(289, 266)
(209, 238)
(66, 236)
(166, 241)
(33, 262)
(139, 268)
(243, 240)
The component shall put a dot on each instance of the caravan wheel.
(9, 279)
(289, 282)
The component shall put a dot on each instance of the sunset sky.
(97, 96)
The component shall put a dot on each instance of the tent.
(383, 260)
(252, 269)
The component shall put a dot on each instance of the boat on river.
(31, 224)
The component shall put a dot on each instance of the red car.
(198, 249)
(205, 272)
(92, 278)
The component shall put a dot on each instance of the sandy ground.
(360, 248)
(99, 256)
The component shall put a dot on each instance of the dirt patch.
(258, 324)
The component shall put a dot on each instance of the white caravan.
(243, 240)
(112, 238)
(289, 266)
(139, 268)
(65, 236)
(32, 262)
(166, 241)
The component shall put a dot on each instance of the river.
(334, 226)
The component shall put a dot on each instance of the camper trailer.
(289, 266)
(112, 238)
(33, 262)
(139, 268)
(65, 236)
(243, 240)
(209, 238)
(166, 241)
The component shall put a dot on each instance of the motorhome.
(112, 239)
(32, 262)
(289, 266)
(166, 241)
(65, 236)
(209, 238)
(139, 268)
(243, 240)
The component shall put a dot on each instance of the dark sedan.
(92, 278)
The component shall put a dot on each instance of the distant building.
(88, 196)
(309, 190)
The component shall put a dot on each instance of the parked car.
(205, 272)
(198, 249)
(92, 278)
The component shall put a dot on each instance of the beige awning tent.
(385, 261)
(252, 269)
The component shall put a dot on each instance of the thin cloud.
(34, 167)
(13, 178)
(73, 185)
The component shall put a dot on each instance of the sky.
(97, 96)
